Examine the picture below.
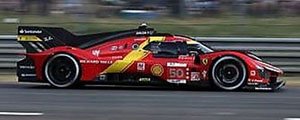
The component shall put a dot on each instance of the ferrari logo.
(205, 61)
(157, 70)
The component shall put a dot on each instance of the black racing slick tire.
(229, 73)
(62, 71)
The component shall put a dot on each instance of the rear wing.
(37, 39)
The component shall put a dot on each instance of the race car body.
(137, 56)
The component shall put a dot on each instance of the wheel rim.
(62, 70)
(229, 73)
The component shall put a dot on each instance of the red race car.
(137, 57)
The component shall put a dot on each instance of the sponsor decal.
(96, 61)
(48, 38)
(175, 64)
(259, 88)
(26, 67)
(140, 39)
(177, 81)
(28, 75)
(252, 72)
(140, 66)
(195, 76)
(205, 61)
(116, 57)
(145, 79)
(114, 48)
(105, 62)
(144, 32)
(252, 83)
(185, 57)
(121, 47)
(23, 31)
(204, 74)
(255, 80)
(89, 61)
(96, 52)
(157, 70)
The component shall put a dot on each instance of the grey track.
(146, 103)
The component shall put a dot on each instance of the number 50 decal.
(176, 73)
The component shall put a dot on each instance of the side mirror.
(196, 55)
(197, 59)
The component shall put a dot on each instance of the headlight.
(262, 72)
(258, 67)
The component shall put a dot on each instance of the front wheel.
(62, 70)
(229, 73)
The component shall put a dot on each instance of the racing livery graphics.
(137, 56)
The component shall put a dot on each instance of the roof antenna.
(143, 25)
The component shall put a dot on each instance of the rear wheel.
(62, 70)
(229, 73)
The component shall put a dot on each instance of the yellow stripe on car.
(191, 42)
(28, 38)
(138, 54)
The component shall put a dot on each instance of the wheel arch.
(61, 52)
(221, 56)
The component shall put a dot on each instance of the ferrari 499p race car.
(139, 56)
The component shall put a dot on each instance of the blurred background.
(250, 18)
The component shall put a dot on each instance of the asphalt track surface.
(144, 103)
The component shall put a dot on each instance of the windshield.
(201, 48)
